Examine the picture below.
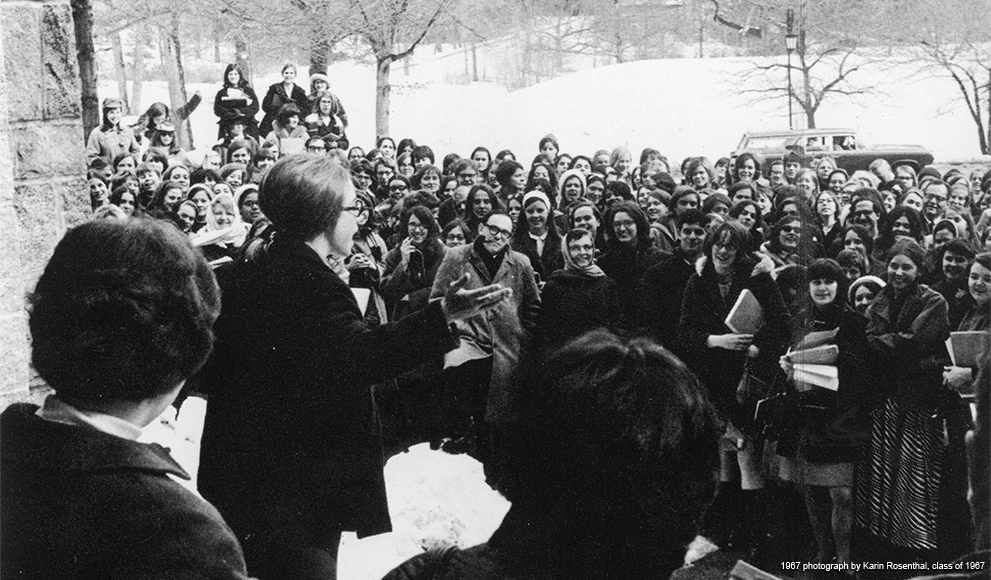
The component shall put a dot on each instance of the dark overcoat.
(291, 440)
(80, 503)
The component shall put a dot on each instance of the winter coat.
(572, 304)
(835, 425)
(323, 128)
(627, 266)
(503, 330)
(547, 261)
(703, 313)
(222, 108)
(291, 438)
(273, 101)
(397, 281)
(906, 335)
(80, 503)
(280, 132)
(660, 297)
(957, 299)
(108, 142)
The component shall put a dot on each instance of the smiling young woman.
(917, 427)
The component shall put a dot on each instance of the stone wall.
(43, 187)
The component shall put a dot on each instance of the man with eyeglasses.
(866, 212)
(316, 145)
(486, 367)
(465, 171)
(935, 197)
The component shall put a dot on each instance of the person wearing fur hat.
(280, 94)
(110, 139)
(236, 96)
(287, 125)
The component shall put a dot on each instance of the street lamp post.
(791, 42)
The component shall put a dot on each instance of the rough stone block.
(11, 280)
(75, 204)
(15, 354)
(36, 208)
(22, 60)
(61, 77)
(46, 149)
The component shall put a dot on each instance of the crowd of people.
(882, 263)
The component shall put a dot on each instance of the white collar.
(58, 411)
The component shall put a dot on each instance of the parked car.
(843, 145)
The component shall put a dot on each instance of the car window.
(817, 143)
(766, 143)
(844, 142)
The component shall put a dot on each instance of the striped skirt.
(898, 483)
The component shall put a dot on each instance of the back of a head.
(621, 442)
(303, 195)
(123, 311)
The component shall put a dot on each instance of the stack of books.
(814, 361)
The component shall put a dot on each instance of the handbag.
(751, 389)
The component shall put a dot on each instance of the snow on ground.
(681, 107)
(435, 499)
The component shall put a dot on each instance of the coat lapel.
(479, 265)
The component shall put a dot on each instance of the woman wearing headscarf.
(224, 233)
(236, 95)
(577, 298)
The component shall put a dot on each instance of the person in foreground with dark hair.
(608, 474)
(122, 315)
(292, 448)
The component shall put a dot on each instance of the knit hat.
(538, 195)
(111, 103)
(319, 77)
(861, 281)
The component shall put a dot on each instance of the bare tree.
(393, 29)
(956, 43)
(82, 18)
(829, 62)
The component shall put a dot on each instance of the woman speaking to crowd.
(291, 452)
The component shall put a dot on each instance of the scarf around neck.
(590, 271)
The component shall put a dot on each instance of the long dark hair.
(242, 83)
(635, 213)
